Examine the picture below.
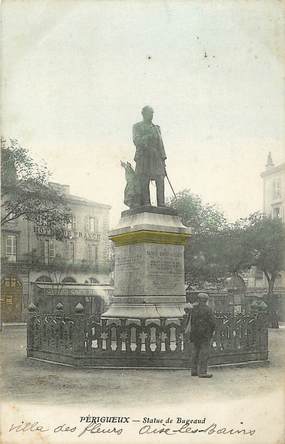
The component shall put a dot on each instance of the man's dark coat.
(202, 324)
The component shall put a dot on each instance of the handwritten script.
(164, 428)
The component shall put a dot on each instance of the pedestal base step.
(145, 311)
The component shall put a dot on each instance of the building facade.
(274, 189)
(30, 254)
(273, 178)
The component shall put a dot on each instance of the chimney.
(269, 163)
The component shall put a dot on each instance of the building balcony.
(39, 263)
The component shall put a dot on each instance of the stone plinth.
(149, 265)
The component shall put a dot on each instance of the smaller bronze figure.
(150, 157)
(132, 196)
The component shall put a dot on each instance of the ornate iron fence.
(83, 341)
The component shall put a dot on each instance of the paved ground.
(31, 382)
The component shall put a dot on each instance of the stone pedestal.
(149, 265)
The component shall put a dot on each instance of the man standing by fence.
(202, 327)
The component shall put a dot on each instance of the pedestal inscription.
(165, 268)
(129, 270)
(149, 269)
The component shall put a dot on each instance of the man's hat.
(203, 297)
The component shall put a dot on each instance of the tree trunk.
(273, 317)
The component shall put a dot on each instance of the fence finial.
(79, 308)
(32, 308)
(59, 306)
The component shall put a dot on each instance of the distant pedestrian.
(202, 326)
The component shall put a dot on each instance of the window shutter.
(8, 246)
(51, 249)
(86, 223)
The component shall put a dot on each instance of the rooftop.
(72, 198)
(273, 169)
(82, 201)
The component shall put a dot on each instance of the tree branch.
(266, 275)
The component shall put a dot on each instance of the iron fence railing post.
(32, 309)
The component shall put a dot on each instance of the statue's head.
(147, 113)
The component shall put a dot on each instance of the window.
(72, 224)
(276, 212)
(68, 279)
(11, 248)
(276, 191)
(92, 253)
(43, 279)
(12, 218)
(48, 249)
(70, 252)
(46, 252)
(51, 249)
(93, 224)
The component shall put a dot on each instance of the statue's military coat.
(150, 154)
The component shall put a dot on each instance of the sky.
(75, 75)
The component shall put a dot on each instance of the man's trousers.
(200, 357)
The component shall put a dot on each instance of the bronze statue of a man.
(150, 157)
